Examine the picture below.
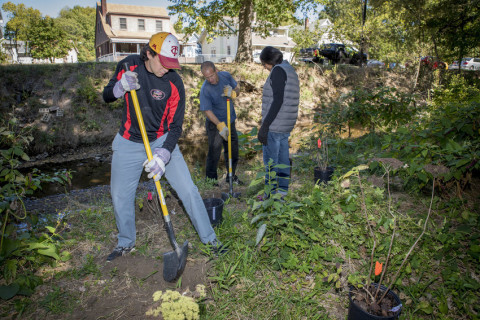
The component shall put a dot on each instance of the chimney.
(104, 8)
(306, 24)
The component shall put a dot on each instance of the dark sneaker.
(235, 180)
(217, 248)
(118, 252)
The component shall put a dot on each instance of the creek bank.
(81, 198)
(89, 123)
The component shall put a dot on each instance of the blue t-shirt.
(211, 97)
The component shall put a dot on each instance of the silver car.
(467, 64)
(471, 64)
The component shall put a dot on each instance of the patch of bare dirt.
(123, 288)
(130, 281)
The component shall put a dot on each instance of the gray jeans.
(127, 168)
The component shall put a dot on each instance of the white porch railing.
(216, 58)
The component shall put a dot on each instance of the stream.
(91, 180)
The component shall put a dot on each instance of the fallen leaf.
(345, 183)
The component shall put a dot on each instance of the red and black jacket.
(162, 101)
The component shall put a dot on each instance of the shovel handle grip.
(146, 143)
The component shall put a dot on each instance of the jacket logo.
(157, 94)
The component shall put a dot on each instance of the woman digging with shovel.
(161, 98)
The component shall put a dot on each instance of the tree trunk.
(244, 51)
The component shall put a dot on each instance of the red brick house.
(122, 30)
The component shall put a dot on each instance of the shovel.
(173, 261)
(225, 196)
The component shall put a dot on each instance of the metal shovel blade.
(174, 263)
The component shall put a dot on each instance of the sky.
(52, 7)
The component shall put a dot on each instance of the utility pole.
(364, 17)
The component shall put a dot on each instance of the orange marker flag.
(378, 268)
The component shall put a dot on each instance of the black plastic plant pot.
(355, 312)
(214, 208)
(322, 175)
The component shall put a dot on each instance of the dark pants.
(215, 143)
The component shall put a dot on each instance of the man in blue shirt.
(218, 86)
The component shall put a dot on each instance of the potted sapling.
(322, 172)
(373, 298)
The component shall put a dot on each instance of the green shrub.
(23, 251)
(87, 92)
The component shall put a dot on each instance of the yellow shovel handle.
(229, 140)
(141, 124)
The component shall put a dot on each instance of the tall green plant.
(22, 251)
(378, 109)
(446, 135)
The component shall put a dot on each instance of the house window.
(229, 51)
(213, 51)
(159, 25)
(126, 48)
(123, 23)
(141, 24)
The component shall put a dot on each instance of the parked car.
(307, 52)
(433, 63)
(256, 57)
(470, 64)
(454, 65)
(339, 53)
(375, 64)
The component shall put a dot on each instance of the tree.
(392, 30)
(3, 55)
(219, 17)
(79, 24)
(19, 27)
(399, 30)
(178, 26)
(307, 37)
(49, 41)
(455, 27)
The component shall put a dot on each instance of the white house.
(190, 48)
(224, 48)
(221, 49)
(18, 54)
(278, 38)
(324, 28)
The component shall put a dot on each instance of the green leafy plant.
(87, 92)
(270, 211)
(381, 108)
(23, 251)
(248, 144)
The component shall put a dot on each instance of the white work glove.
(223, 130)
(229, 92)
(156, 166)
(128, 82)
